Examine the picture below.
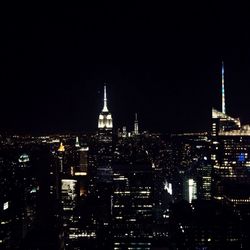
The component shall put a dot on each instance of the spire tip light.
(223, 89)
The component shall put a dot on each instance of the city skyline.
(220, 106)
(125, 126)
(163, 63)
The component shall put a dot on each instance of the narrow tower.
(105, 118)
(105, 107)
(136, 128)
(61, 151)
(77, 143)
(223, 89)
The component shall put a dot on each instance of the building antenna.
(105, 106)
(223, 89)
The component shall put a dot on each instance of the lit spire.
(105, 117)
(61, 147)
(136, 129)
(105, 107)
(223, 89)
(77, 144)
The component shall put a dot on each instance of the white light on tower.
(105, 118)
(223, 90)
(168, 187)
(191, 190)
(136, 128)
(5, 205)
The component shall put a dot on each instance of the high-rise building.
(190, 190)
(81, 170)
(82, 163)
(105, 149)
(230, 155)
(18, 199)
(105, 122)
(132, 206)
(61, 150)
(136, 126)
(191, 159)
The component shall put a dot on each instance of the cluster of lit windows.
(213, 157)
(5, 222)
(121, 206)
(122, 192)
(82, 235)
(218, 198)
(240, 201)
(132, 245)
(120, 178)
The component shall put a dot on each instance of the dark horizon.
(163, 63)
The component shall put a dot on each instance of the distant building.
(81, 170)
(191, 160)
(230, 156)
(190, 190)
(105, 122)
(136, 126)
(82, 163)
(105, 139)
(124, 132)
(18, 200)
(68, 194)
(61, 151)
(77, 143)
(132, 206)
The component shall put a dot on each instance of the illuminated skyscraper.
(61, 150)
(132, 205)
(81, 169)
(136, 127)
(191, 155)
(190, 190)
(230, 153)
(105, 122)
(82, 166)
(105, 118)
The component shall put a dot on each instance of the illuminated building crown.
(105, 118)
(61, 147)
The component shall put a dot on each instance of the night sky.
(162, 61)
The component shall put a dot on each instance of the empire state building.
(105, 118)
(105, 122)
